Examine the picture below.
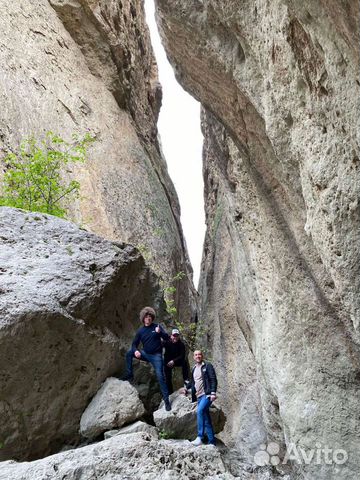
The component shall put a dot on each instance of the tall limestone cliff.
(279, 83)
(70, 299)
(73, 66)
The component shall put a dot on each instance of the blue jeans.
(203, 419)
(156, 360)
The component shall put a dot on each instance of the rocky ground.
(138, 450)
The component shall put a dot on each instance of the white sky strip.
(181, 139)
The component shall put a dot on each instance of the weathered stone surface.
(69, 301)
(84, 65)
(137, 456)
(133, 428)
(180, 421)
(281, 266)
(115, 404)
(147, 385)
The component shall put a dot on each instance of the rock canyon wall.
(76, 66)
(70, 300)
(279, 85)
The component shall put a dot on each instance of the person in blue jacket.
(149, 336)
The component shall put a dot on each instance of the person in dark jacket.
(203, 385)
(175, 356)
(149, 336)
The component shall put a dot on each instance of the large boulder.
(69, 304)
(180, 421)
(114, 405)
(138, 456)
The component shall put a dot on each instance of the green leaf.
(33, 178)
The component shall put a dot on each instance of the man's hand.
(157, 329)
(184, 391)
(171, 363)
(137, 354)
(213, 397)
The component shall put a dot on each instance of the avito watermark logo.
(270, 455)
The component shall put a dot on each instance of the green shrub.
(33, 178)
(192, 333)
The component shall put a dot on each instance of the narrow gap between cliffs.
(181, 140)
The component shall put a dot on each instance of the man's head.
(175, 335)
(198, 356)
(147, 316)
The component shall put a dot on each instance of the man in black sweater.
(150, 336)
(175, 357)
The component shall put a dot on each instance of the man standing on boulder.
(203, 389)
(150, 336)
(175, 356)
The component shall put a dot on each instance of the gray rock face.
(73, 66)
(147, 385)
(280, 275)
(69, 306)
(115, 404)
(180, 421)
(137, 456)
(133, 428)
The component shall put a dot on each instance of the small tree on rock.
(33, 178)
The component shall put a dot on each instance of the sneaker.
(198, 441)
(167, 406)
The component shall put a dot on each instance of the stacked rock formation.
(136, 450)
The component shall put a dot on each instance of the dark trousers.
(168, 373)
(156, 360)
